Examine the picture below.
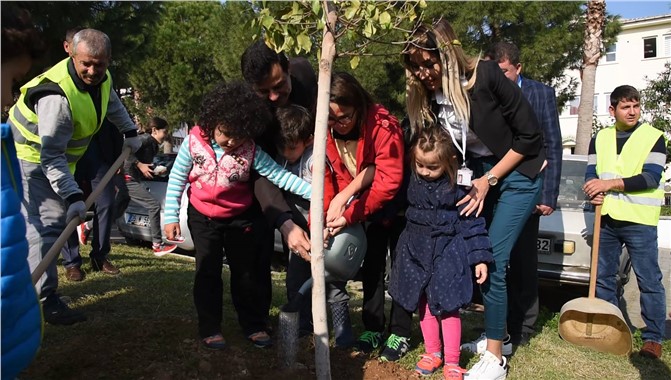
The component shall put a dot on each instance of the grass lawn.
(142, 325)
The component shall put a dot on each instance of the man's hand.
(334, 227)
(77, 209)
(597, 200)
(336, 207)
(544, 210)
(133, 142)
(146, 169)
(297, 240)
(596, 186)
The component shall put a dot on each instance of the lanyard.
(461, 148)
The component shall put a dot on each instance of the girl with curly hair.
(218, 159)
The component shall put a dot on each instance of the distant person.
(53, 122)
(69, 36)
(438, 252)
(21, 315)
(217, 159)
(523, 307)
(624, 174)
(137, 168)
(294, 142)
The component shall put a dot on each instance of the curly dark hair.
(236, 108)
(19, 35)
(257, 61)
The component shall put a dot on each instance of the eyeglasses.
(342, 120)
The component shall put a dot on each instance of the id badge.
(464, 176)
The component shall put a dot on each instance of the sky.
(635, 9)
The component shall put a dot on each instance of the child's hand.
(481, 273)
(172, 231)
(336, 207)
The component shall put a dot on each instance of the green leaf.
(354, 62)
(385, 19)
(267, 21)
(350, 12)
(303, 42)
(316, 6)
(368, 29)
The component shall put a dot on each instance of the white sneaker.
(479, 346)
(488, 368)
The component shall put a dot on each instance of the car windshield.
(571, 195)
(162, 160)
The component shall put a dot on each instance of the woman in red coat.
(363, 136)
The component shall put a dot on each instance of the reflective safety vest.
(641, 207)
(25, 123)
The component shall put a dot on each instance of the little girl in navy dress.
(437, 252)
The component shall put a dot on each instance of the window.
(610, 53)
(573, 106)
(667, 45)
(650, 47)
(607, 101)
(595, 104)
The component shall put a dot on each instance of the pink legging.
(431, 328)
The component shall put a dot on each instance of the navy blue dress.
(437, 249)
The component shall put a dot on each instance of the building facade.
(642, 48)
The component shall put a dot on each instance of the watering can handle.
(70, 228)
(596, 234)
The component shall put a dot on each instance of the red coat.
(380, 143)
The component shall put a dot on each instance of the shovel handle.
(70, 228)
(596, 234)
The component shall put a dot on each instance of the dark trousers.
(242, 239)
(381, 239)
(102, 225)
(523, 280)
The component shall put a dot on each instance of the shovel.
(70, 228)
(593, 322)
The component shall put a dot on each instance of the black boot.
(58, 313)
(342, 325)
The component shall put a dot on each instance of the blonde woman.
(500, 147)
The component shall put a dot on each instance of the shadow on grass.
(143, 324)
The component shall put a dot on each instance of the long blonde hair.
(456, 67)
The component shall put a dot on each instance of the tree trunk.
(322, 360)
(594, 26)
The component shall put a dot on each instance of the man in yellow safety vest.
(57, 114)
(625, 174)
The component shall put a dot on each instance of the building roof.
(648, 19)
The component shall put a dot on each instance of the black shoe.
(521, 339)
(58, 313)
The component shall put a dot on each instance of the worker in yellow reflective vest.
(57, 114)
(625, 174)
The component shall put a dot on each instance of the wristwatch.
(492, 179)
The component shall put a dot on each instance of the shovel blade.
(596, 324)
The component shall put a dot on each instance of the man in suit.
(523, 266)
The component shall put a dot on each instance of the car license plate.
(138, 220)
(544, 245)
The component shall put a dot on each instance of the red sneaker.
(429, 363)
(453, 372)
(83, 232)
(163, 249)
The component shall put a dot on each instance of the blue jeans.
(641, 243)
(507, 207)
